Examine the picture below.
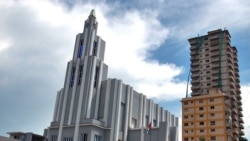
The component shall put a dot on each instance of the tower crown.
(92, 13)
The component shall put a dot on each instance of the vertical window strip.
(97, 138)
(94, 48)
(72, 77)
(54, 138)
(79, 81)
(85, 137)
(67, 139)
(96, 77)
(80, 50)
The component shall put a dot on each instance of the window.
(54, 138)
(201, 131)
(212, 130)
(97, 138)
(185, 103)
(186, 110)
(211, 100)
(208, 78)
(200, 101)
(201, 123)
(212, 123)
(80, 50)
(185, 117)
(84, 137)
(207, 54)
(185, 124)
(201, 108)
(96, 76)
(207, 60)
(208, 84)
(208, 72)
(212, 115)
(186, 131)
(122, 115)
(134, 123)
(211, 107)
(212, 138)
(67, 139)
(95, 48)
(18, 137)
(207, 66)
(146, 121)
(80, 75)
(201, 115)
(155, 123)
(72, 77)
(185, 139)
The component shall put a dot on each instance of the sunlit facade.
(92, 107)
(214, 65)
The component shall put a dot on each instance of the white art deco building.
(92, 107)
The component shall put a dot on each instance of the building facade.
(214, 64)
(92, 107)
(21, 136)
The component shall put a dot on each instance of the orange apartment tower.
(214, 110)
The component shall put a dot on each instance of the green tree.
(243, 139)
(202, 139)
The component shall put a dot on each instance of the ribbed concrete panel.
(92, 107)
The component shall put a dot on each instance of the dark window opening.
(53, 138)
(212, 122)
(147, 120)
(80, 75)
(213, 138)
(67, 139)
(84, 137)
(95, 48)
(96, 77)
(72, 77)
(80, 50)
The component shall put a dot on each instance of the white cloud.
(129, 38)
(37, 39)
(4, 43)
(41, 39)
(199, 17)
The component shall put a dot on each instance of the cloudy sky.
(146, 47)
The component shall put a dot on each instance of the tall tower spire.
(79, 98)
(92, 13)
